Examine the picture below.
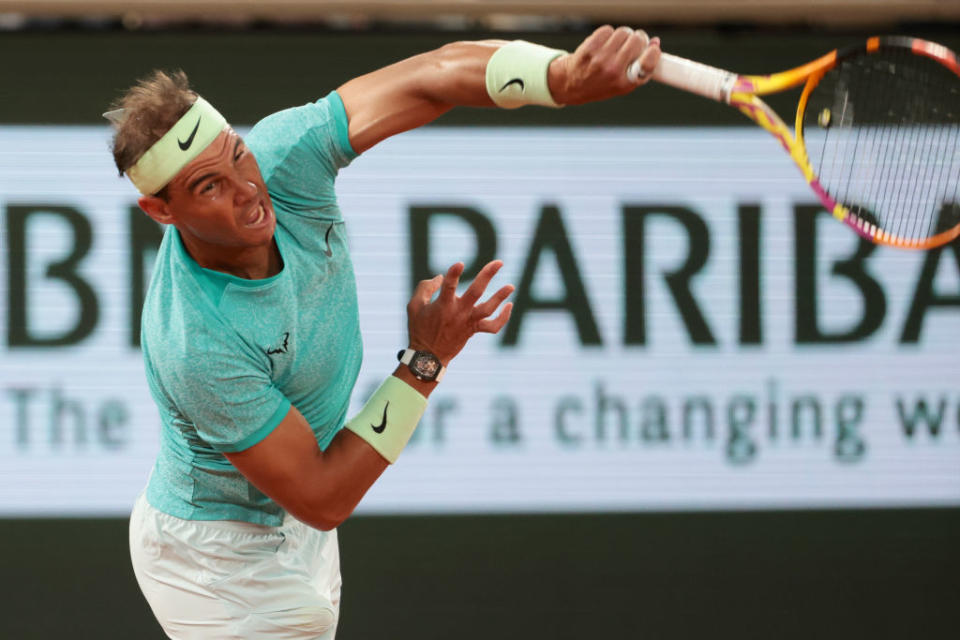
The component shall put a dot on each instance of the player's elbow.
(324, 512)
(330, 520)
(324, 523)
(322, 519)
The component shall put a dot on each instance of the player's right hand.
(597, 70)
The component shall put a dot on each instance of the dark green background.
(800, 574)
(784, 575)
(69, 77)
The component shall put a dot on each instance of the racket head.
(880, 136)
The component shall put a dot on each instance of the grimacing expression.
(220, 198)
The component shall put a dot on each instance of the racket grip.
(695, 77)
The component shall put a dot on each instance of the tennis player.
(250, 328)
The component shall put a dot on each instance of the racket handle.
(695, 77)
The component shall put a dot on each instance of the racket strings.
(888, 138)
(906, 108)
(942, 216)
(908, 179)
(928, 174)
(935, 138)
(888, 130)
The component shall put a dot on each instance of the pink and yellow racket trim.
(935, 51)
(743, 96)
(742, 91)
(762, 85)
(861, 227)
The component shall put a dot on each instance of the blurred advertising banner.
(690, 331)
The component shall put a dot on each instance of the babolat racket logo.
(184, 145)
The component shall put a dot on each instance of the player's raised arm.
(417, 90)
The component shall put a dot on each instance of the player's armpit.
(320, 488)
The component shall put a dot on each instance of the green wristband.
(389, 418)
(517, 75)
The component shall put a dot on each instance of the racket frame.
(743, 91)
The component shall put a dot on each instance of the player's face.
(220, 199)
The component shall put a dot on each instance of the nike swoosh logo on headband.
(514, 81)
(186, 145)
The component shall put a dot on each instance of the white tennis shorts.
(225, 579)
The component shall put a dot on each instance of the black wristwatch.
(422, 364)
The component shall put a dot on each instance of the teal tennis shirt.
(227, 357)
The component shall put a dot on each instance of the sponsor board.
(690, 330)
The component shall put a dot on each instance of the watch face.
(425, 365)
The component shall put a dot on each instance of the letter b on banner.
(19, 332)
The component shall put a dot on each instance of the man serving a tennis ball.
(250, 328)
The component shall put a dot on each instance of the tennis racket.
(876, 135)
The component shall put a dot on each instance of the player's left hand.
(443, 326)
(597, 70)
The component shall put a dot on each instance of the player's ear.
(157, 208)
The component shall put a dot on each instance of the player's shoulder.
(288, 126)
(316, 129)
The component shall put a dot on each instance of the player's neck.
(250, 263)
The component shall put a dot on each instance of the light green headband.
(182, 143)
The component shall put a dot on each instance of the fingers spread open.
(494, 325)
(490, 305)
(424, 291)
(448, 291)
(479, 284)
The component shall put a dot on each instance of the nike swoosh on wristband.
(383, 424)
(186, 145)
(514, 81)
(328, 251)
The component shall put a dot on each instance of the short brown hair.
(151, 107)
